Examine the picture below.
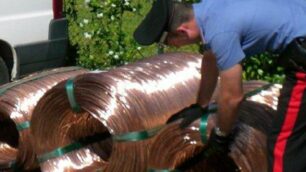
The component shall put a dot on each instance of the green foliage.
(96, 29)
(263, 67)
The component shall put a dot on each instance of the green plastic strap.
(203, 122)
(203, 128)
(74, 146)
(60, 152)
(252, 93)
(70, 93)
(23, 126)
(137, 135)
(132, 136)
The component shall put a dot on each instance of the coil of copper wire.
(107, 121)
(177, 148)
(129, 104)
(17, 101)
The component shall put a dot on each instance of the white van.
(33, 36)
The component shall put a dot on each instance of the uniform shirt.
(235, 29)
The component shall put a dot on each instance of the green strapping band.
(23, 126)
(70, 93)
(203, 122)
(252, 93)
(137, 135)
(60, 152)
(203, 127)
(132, 136)
(73, 146)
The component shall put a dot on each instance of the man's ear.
(190, 30)
(183, 30)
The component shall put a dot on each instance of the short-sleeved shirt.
(235, 29)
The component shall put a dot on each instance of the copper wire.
(17, 102)
(269, 96)
(135, 97)
(174, 146)
(8, 156)
(126, 99)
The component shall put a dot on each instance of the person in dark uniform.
(230, 32)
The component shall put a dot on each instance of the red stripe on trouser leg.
(290, 119)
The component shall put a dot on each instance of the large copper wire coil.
(17, 101)
(135, 99)
(177, 148)
(132, 98)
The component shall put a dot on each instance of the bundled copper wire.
(124, 101)
(8, 156)
(17, 101)
(182, 148)
(268, 96)
(130, 103)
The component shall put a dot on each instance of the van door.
(25, 21)
(33, 36)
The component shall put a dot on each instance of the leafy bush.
(263, 67)
(96, 30)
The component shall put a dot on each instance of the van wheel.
(4, 75)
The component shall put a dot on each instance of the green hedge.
(101, 31)
(97, 30)
(263, 67)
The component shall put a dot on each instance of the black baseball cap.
(155, 23)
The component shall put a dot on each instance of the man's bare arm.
(209, 78)
(229, 97)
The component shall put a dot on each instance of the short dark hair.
(182, 13)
